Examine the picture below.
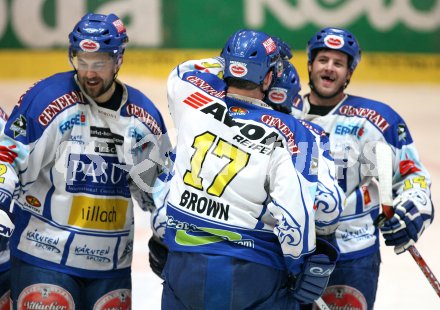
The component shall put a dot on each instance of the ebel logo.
(238, 69)
(334, 42)
(277, 95)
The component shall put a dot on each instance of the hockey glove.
(6, 225)
(285, 51)
(312, 281)
(157, 256)
(412, 215)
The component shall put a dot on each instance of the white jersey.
(4, 247)
(245, 176)
(355, 125)
(79, 168)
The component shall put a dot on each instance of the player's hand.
(412, 214)
(6, 225)
(312, 281)
(157, 256)
(285, 50)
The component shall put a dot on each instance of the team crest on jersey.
(88, 45)
(333, 41)
(238, 69)
(237, 111)
(19, 126)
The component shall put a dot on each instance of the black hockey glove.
(310, 284)
(157, 256)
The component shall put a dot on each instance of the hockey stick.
(384, 173)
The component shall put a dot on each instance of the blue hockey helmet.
(284, 93)
(99, 33)
(250, 55)
(335, 39)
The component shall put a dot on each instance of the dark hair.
(240, 83)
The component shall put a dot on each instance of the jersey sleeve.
(17, 141)
(410, 176)
(330, 198)
(292, 207)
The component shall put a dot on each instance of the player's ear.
(119, 63)
(267, 80)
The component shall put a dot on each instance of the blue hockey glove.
(157, 256)
(311, 282)
(412, 215)
(6, 225)
(285, 50)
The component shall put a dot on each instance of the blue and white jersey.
(79, 167)
(245, 176)
(4, 247)
(355, 125)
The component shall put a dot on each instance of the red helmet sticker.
(238, 69)
(343, 297)
(117, 299)
(277, 95)
(333, 41)
(45, 296)
(119, 25)
(89, 45)
(270, 46)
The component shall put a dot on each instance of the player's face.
(329, 72)
(96, 73)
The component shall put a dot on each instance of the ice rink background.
(402, 284)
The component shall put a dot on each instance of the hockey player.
(4, 249)
(284, 95)
(355, 124)
(240, 217)
(82, 146)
